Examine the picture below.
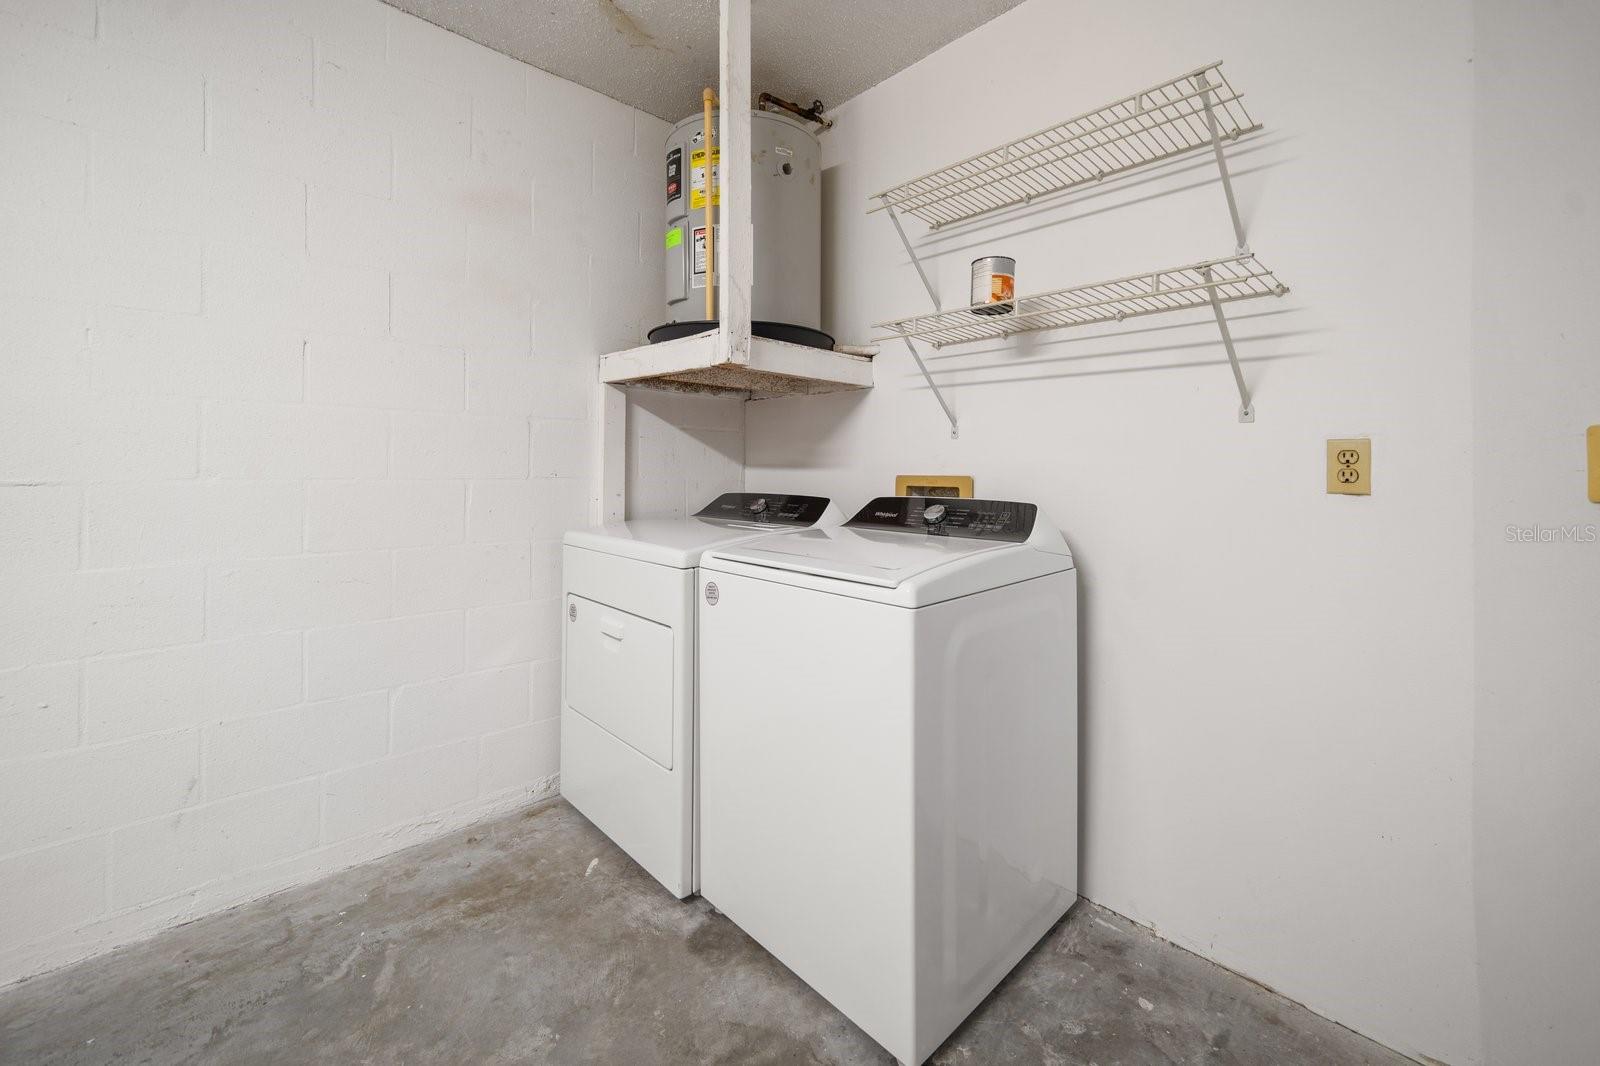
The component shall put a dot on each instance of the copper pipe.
(810, 114)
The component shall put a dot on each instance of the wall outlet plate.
(1350, 466)
(1594, 464)
(959, 485)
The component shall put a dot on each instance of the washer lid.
(908, 551)
(862, 556)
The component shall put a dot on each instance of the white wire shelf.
(1159, 123)
(1238, 277)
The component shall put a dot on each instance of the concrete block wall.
(684, 449)
(299, 311)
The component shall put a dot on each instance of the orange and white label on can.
(994, 281)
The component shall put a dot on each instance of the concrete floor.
(532, 939)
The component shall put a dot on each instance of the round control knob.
(757, 506)
(934, 514)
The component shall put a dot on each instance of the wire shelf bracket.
(1241, 246)
(1247, 409)
(1188, 113)
(933, 297)
(1211, 283)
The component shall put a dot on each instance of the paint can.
(994, 283)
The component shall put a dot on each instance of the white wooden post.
(735, 239)
(609, 494)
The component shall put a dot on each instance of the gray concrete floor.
(532, 939)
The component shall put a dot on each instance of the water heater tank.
(786, 195)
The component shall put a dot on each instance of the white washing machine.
(889, 753)
(628, 670)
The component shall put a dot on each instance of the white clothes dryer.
(628, 669)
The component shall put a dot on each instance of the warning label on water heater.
(674, 174)
(697, 178)
(698, 258)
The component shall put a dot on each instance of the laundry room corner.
(799, 531)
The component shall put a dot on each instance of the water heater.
(786, 206)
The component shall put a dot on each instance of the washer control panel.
(765, 508)
(1004, 520)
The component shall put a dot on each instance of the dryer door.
(619, 675)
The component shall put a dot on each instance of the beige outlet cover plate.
(1350, 466)
(958, 485)
(1594, 464)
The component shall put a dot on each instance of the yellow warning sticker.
(697, 178)
(674, 236)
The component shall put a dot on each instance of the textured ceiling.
(656, 54)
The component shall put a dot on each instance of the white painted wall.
(1536, 362)
(683, 450)
(299, 311)
(1277, 683)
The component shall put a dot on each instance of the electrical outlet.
(1350, 467)
(1594, 464)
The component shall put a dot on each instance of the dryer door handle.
(612, 627)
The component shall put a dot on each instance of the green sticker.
(674, 237)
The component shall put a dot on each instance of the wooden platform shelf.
(776, 368)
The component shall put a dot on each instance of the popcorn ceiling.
(656, 54)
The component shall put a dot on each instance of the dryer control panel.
(766, 509)
(1005, 520)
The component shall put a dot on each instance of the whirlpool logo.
(713, 594)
